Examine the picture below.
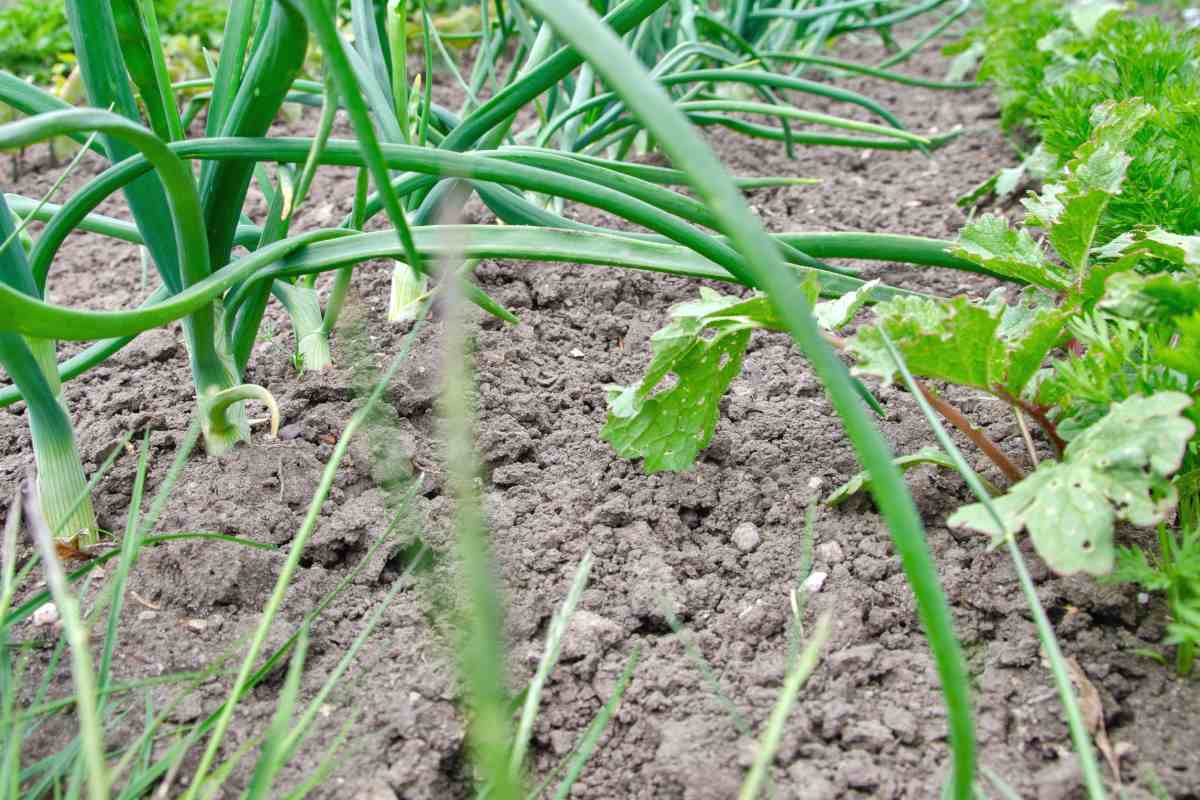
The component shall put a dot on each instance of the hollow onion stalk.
(30, 364)
(161, 207)
(299, 298)
(407, 287)
(60, 476)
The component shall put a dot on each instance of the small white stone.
(815, 482)
(830, 553)
(196, 625)
(47, 614)
(746, 537)
(1143, 598)
(147, 615)
(813, 583)
(575, 353)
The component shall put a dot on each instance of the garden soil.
(718, 547)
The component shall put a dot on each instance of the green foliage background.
(1051, 67)
(34, 35)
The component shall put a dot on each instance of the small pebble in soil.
(146, 616)
(813, 583)
(46, 614)
(289, 432)
(830, 553)
(809, 786)
(196, 625)
(746, 537)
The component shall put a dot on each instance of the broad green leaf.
(668, 425)
(991, 243)
(835, 314)
(670, 416)
(989, 346)
(1070, 210)
(1086, 15)
(1071, 220)
(862, 480)
(1151, 298)
(1182, 251)
(1118, 469)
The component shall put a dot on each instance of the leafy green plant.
(1174, 571)
(1052, 63)
(701, 351)
(1117, 406)
(1117, 446)
(1119, 468)
(34, 35)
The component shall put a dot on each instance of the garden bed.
(717, 546)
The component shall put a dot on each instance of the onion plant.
(30, 364)
(190, 225)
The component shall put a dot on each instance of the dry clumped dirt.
(719, 545)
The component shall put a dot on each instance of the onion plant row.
(597, 91)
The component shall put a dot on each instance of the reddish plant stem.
(977, 437)
(956, 418)
(1039, 415)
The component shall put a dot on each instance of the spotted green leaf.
(1118, 469)
(670, 416)
(1182, 251)
(990, 242)
(988, 346)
